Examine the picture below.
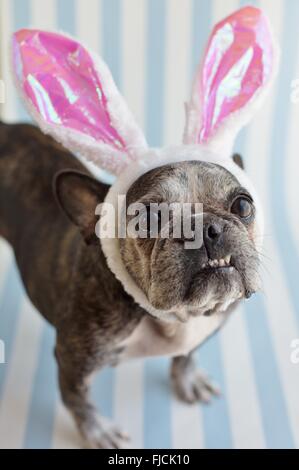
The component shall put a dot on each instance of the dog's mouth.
(217, 279)
(220, 265)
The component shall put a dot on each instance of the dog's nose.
(212, 234)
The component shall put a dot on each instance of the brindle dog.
(67, 279)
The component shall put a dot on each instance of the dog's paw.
(191, 385)
(103, 434)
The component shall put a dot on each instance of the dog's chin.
(212, 290)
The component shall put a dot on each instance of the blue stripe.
(273, 406)
(21, 19)
(157, 411)
(201, 28)
(40, 420)
(10, 305)
(245, 3)
(288, 249)
(216, 424)
(103, 391)
(111, 34)
(156, 371)
(155, 71)
(111, 37)
(66, 16)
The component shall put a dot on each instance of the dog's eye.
(242, 207)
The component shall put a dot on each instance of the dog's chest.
(153, 338)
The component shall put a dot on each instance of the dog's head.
(177, 277)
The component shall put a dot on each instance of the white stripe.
(43, 14)
(244, 409)
(128, 401)
(177, 71)
(280, 313)
(88, 24)
(258, 159)
(133, 60)
(186, 419)
(20, 375)
(8, 109)
(187, 428)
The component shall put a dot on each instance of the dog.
(115, 298)
(47, 214)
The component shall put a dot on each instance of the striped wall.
(152, 48)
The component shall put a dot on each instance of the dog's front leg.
(189, 383)
(74, 381)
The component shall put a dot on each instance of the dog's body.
(67, 278)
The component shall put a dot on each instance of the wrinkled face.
(181, 281)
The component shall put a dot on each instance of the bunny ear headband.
(71, 94)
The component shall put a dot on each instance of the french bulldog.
(112, 299)
(48, 201)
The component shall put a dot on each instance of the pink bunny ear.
(238, 64)
(71, 94)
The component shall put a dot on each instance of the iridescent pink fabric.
(237, 63)
(59, 77)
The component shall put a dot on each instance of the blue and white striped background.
(152, 47)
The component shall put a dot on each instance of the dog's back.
(30, 218)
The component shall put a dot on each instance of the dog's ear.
(238, 160)
(78, 195)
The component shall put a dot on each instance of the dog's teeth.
(221, 262)
(227, 259)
